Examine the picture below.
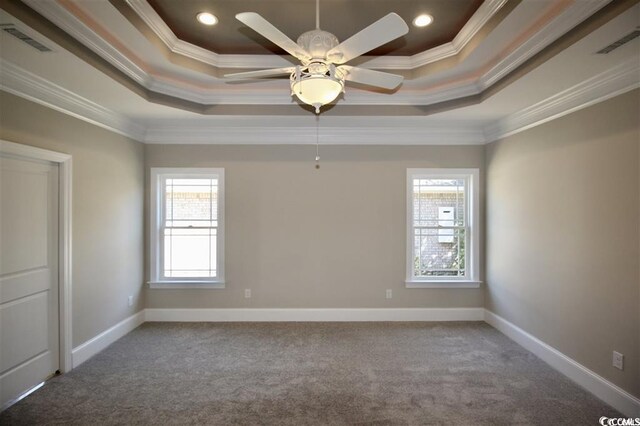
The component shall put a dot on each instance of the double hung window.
(187, 227)
(442, 234)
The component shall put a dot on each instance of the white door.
(29, 322)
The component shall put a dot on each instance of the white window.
(187, 228)
(442, 228)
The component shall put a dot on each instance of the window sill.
(442, 284)
(187, 284)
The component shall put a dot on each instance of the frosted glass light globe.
(317, 90)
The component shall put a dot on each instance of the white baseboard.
(613, 395)
(313, 315)
(91, 347)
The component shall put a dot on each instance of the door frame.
(64, 162)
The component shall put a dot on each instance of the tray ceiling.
(293, 17)
(119, 64)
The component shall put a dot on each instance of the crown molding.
(413, 92)
(73, 26)
(553, 30)
(233, 130)
(160, 28)
(272, 135)
(56, 12)
(287, 130)
(485, 12)
(479, 19)
(613, 82)
(278, 92)
(398, 131)
(20, 82)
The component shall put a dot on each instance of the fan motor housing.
(317, 43)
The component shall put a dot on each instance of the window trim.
(471, 280)
(155, 216)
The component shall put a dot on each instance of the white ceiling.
(571, 79)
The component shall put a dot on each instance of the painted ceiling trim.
(467, 93)
(485, 12)
(23, 83)
(551, 32)
(613, 82)
(141, 15)
(301, 130)
(166, 91)
(201, 60)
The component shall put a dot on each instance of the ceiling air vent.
(11, 29)
(626, 39)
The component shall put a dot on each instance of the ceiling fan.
(321, 76)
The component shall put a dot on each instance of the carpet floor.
(308, 374)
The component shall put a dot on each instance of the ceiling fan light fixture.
(316, 90)
(322, 74)
(422, 20)
(207, 18)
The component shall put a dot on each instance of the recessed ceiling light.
(206, 18)
(422, 20)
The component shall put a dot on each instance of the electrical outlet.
(247, 293)
(130, 299)
(389, 293)
(618, 360)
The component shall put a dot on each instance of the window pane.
(439, 202)
(435, 257)
(190, 252)
(191, 202)
(191, 223)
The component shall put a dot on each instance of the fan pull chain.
(317, 141)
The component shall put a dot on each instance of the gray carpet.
(311, 373)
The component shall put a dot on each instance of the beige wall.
(107, 209)
(563, 208)
(305, 238)
(563, 226)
